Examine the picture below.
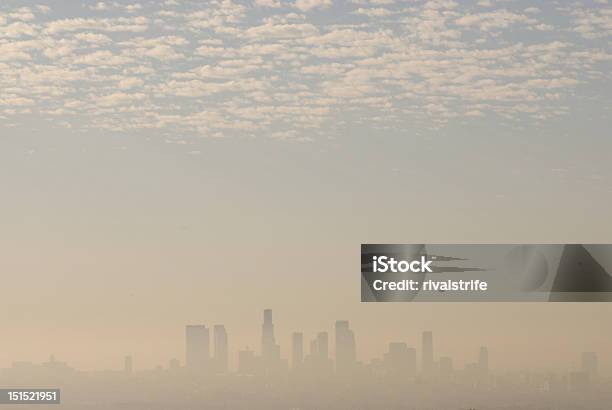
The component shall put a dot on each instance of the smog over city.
(305, 204)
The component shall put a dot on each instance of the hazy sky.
(177, 162)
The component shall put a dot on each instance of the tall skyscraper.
(400, 361)
(589, 363)
(446, 368)
(483, 360)
(323, 345)
(221, 349)
(247, 362)
(297, 350)
(197, 347)
(270, 351)
(345, 347)
(428, 355)
(318, 360)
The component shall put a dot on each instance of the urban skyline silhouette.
(405, 376)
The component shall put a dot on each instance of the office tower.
(221, 349)
(128, 365)
(483, 360)
(411, 355)
(270, 351)
(345, 347)
(446, 368)
(318, 360)
(323, 345)
(247, 362)
(400, 361)
(589, 363)
(314, 348)
(197, 347)
(297, 350)
(428, 356)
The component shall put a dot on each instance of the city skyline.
(400, 358)
(173, 162)
(329, 373)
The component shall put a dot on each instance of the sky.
(178, 162)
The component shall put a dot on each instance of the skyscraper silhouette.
(197, 346)
(345, 347)
(428, 355)
(247, 362)
(270, 351)
(483, 360)
(221, 349)
(318, 361)
(446, 368)
(400, 361)
(297, 350)
(323, 345)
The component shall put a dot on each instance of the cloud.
(268, 3)
(373, 12)
(307, 5)
(118, 98)
(93, 38)
(22, 14)
(499, 19)
(593, 24)
(130, 82)
(120, 24)
(101, 58)
(274, 68)
(18, 29)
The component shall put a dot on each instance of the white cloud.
(101, 58)
(307, 5)
(268, 3)
(120, 24)
(22, 14)
(494, 20)
(18, 29)
(270, 67)
(593, 24)
(130, 82)
(373, 12)
(118, 98)
(93, 38)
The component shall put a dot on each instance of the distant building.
(220, 349)
(270, 351)
(318, 361)
(400, 361)
(297, 350)
(128, 365)
(483, 360)
(323, 345)
(345, 347)
(446, 368)
(427, 352)
(197, 347)
(247, 362)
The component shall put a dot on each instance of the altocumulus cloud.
(298, 69)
